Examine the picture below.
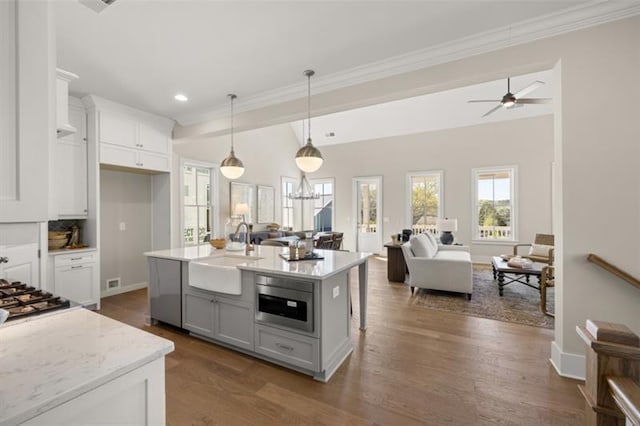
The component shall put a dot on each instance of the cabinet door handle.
(141, 164)
(285, 347)
(76, 258)
(76, 267)
(4, 260)
(213, 300)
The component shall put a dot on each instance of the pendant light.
(309, 158)
(304, 191)
(231, 167)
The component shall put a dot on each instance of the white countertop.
(46, 362)
(270, 261)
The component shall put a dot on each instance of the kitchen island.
(79, 367)
(292, 313)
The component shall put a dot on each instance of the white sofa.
(438, 267)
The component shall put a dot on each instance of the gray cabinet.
(199, 314)
(292, 348)
(220, 318)
(234, 322)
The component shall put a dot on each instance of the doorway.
(367, 207)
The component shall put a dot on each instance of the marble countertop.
(48, 361)
(267, 259)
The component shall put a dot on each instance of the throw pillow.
(539, 250)
(432, 240)
(421, 246)
(418, 247)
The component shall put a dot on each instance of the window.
(424, 192)
(288, 187)
(323, 207)
(494, 204)
(197, 205)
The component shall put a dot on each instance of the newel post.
(612, 350)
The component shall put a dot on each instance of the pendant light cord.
(309, 105)
(232, 96)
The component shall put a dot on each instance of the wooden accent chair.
(325, 242)
(547, 279)
(541, 249)
(337, 240)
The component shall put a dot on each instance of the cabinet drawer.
(288, 347)
(74, 259)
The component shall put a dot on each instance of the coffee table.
(506, 275)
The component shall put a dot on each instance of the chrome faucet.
(247, 237)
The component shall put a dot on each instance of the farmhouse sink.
(218, 273)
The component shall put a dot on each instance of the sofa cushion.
(453, 255)
(539, 250)
(421, 247)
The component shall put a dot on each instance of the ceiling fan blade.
(533, 101)
(493, 110)
(530, 88)
(484, 100)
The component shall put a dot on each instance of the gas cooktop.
(21, 300)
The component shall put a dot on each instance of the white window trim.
(294, 182)
(514, 204)
(408, 193)
(215, 210)
(332, 181)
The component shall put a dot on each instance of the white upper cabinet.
(118, 130)
(70, 167)
(27, 109)
(63, 124)
(128, 137)
(152, 139)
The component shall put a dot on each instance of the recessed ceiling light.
(180, 97)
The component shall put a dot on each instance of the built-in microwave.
(284, 302)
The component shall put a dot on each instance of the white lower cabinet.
(20, 263)
(135, 398)
(227, 320)
(75, 277)
(133, 158)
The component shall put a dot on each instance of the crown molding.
(571, 19)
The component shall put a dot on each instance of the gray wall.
(124, 197)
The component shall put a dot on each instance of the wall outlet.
(336, 292)
(123, 226)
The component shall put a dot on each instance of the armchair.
(541, 249)
(437, 267)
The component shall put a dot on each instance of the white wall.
(124, 198)
(267, 154)
(526, 143)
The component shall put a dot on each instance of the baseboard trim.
(124, 289)
(567, 365)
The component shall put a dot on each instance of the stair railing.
(612, 385)
(614, 270)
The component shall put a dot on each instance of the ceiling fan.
(510, 100)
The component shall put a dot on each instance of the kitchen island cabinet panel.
(198, 314)
(220, 318)
(234, 322)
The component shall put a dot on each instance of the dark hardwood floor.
(412, 366)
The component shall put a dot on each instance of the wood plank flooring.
(413, 366)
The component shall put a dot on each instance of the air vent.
(97, 5)
(113, 284)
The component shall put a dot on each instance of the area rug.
(520, 304)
